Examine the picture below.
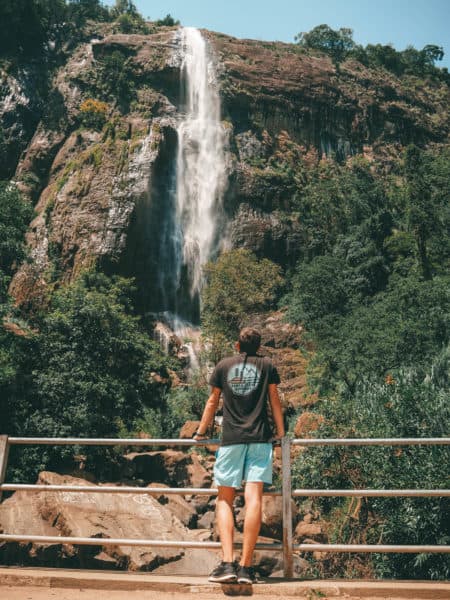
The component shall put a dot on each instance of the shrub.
(94, 113)
(406, 404)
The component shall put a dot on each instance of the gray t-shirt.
(244, 381)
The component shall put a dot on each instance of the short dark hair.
(249, 340)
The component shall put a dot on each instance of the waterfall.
(201, 172)
(188, 215)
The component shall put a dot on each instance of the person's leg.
(252, 521)
(225, 520)
(257, 471)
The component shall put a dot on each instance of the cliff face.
(98, 193)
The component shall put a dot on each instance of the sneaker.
(225, 571)
(245, 574)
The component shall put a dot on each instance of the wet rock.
(267, 233)
(249, 146)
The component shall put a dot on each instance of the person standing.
(248, 383)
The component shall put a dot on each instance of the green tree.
(407, 325)
(81, 10)
(237, 285)
(26, 25)
(168, 21)
(336, 43)
(422, 214)
(124, 7)
(15, 215)
(16, 339)
(117, 79)
(94, 369)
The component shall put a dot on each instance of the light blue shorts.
(243, 462)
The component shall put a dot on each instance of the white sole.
(224, 579)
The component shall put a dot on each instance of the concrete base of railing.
(58, 579)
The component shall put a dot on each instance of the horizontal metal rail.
(413, 549)
(83, 541)
(110, 442)
(90, 541)
(442, 441)
(103, 489)
(373, 493)
(156, 491)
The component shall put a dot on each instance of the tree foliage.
(15, 216)
(237, 285)
(407, 404)
(92, 369)
(336, 43)
(339, 45)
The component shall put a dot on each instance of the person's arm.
(208, 413)
(277, 411)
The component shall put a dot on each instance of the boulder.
(207, 521)
(189, 429)
(19, 514)
(96, 515)
(272, 517)
(264, 561)
(177, 505)
(301, 565)
(174, 467)
(198, 561)
(310, 530)
(202, 503)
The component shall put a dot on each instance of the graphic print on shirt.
(243, 378)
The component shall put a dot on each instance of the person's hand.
(199, 437)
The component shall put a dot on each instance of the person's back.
(247, 383)
(244, 381)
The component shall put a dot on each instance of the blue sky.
(400, 22)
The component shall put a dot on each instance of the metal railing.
(287, 493)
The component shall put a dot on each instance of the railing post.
(4, 450)
(288, 562)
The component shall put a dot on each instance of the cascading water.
(201, 160)
(189, 232)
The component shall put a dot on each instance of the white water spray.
(192, 211)
(201, 170)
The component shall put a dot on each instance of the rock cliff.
(98, 192)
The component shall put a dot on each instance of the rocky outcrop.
(21, 109)
(276, 86)
(290, 352)
(94, 515)
(281, 105)
(174, 467)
